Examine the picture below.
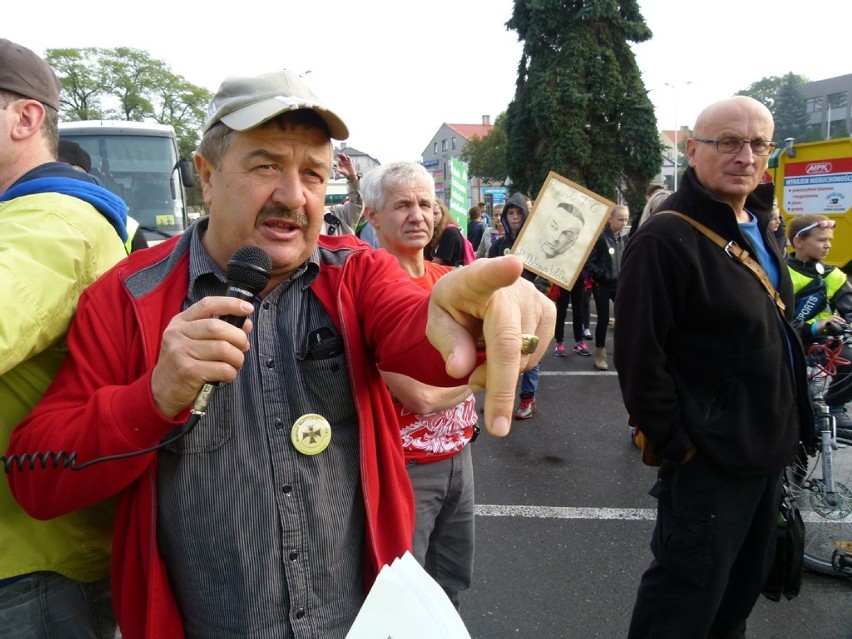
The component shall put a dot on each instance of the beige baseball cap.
(243, 103)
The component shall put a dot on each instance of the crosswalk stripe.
(598, 373)
(604, 514)
(560, 512)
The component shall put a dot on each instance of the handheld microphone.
(248, 274)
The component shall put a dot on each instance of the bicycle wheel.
(828, 518)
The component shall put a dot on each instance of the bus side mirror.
(186, 175)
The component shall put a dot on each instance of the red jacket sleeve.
(99, 404)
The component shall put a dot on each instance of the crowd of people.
(340, 405)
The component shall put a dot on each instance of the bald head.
(731, 170)
(725, 110)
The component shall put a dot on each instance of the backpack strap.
(738, 254)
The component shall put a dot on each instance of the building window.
(813, 105)
(435, 148)
(837, 100)
(814, 131)
(453, 142)
(443, 145)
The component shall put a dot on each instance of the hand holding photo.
(561, 230)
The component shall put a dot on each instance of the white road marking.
(604, 514)
(597, 373)
(560, 512)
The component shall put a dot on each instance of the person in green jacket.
(59, 231)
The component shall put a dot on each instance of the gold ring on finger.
(528, 343)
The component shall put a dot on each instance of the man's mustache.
(279, 213)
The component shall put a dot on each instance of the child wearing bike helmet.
(823, 300)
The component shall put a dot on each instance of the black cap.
(72, 153)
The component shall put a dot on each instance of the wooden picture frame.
(561, 230)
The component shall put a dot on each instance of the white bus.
(139, 162)
(336, 192)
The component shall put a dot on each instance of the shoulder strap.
(739, 255)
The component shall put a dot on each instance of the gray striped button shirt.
(260, 540)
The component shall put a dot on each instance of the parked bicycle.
(821, 482)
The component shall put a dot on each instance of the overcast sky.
(396, 71)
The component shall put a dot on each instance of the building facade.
(449, 141)
(828, 106)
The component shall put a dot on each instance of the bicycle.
(821, 481)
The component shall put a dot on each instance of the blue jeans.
(47, 605)
(529, 382)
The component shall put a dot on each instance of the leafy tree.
(128, 84)
(84, 82)
(790, 112)
(486, 156)
(782, 95)
(764, 90)
(580, 106)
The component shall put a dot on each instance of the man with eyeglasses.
(713, 375)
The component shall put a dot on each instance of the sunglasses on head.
(822, 224)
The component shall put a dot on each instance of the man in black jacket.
(713, 376)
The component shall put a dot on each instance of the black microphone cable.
(249, 270)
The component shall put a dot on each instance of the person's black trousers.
(578, 310)
(713, 545)
(604, 294)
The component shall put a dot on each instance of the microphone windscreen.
(250, 268)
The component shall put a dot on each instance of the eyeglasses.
(822, 224)
(732, 146)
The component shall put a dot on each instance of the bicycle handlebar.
(834, 329)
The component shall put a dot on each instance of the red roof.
(681, 135)
(469, 131)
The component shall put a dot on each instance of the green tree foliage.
(84, 83)
(486, 156)
(128, 84)
(580, 106)
(764, 90)
(782, 95)
(790, 113)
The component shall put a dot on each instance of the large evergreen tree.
(580, 106)
(790, 112)
(782, 95)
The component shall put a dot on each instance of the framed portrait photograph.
(561, 230)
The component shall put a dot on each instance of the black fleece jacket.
(704, 358)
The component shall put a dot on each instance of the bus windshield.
(143, 171)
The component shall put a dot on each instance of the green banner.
(458, 193)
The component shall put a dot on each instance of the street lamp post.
(675, 87)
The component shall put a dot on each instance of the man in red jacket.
(274, 514)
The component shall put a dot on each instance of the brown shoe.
(600, 359)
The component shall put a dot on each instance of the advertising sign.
(823, 186)
(458, 194)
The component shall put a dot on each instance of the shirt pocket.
(213, 430)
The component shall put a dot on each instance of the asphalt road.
(564, 520)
